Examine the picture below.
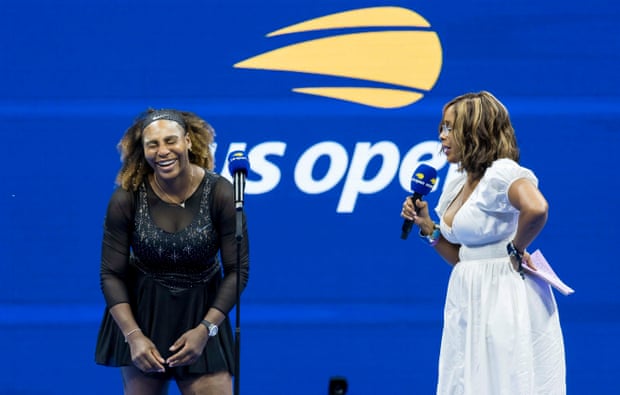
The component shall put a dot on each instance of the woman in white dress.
(501, 332)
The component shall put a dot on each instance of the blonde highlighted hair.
(482, 131)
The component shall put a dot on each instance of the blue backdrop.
(333, 289)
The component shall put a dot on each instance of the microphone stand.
(238, 166)
(239, 238)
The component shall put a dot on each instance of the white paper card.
(545, 272)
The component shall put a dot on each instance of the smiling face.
(166, 147)
(446, 135)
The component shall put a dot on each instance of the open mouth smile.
(166, 163)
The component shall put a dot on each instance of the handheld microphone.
(238, 165)
(422, 182)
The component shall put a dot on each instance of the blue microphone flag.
(423, 179)
(238, 162)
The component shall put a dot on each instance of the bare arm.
(448, 251)
(533, 211)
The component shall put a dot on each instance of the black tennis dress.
(171, 264)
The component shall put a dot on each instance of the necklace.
(187, 191)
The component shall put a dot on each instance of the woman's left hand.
(526, 261)
(188, 347)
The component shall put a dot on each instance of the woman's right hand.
(421, 218)
(144, 354)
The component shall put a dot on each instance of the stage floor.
(289, 350)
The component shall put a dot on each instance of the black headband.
(168, 115)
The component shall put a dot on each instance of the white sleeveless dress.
(501, 333)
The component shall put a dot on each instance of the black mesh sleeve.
(115, 247)
(224, 218)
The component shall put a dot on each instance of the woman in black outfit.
(169, 261)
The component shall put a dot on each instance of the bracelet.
(512, 251)
(130, 332)
(433, 238)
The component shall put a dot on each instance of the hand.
(188, 347)
(144, 354)
(526, 261)
(421, 218)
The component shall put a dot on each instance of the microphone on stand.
(423, 180)
(238, 165)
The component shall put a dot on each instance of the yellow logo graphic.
(420, 176)
(407, 60)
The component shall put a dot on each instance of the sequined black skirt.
(163, 315)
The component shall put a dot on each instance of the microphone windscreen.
(423, 179)
(238, 162)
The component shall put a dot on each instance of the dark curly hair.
(134, 166)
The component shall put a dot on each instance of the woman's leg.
(219, 383)
(137, 383)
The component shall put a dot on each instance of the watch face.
(212, 330)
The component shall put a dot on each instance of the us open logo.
(391, 51)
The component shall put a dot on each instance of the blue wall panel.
(324, 277)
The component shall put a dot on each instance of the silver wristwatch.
(212, 329)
